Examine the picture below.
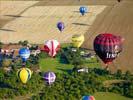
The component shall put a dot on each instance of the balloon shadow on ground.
(65, 70)
(9, 30)
(79, 12)
(5, 85)
(76, 11)
(82, 24)
(15, 16)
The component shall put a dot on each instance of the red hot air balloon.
(107, 46)
(51, 47)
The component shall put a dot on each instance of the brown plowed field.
(117, 19)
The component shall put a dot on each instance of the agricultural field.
(9, 10)
(38, 23)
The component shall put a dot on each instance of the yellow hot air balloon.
(24, 74)
(77, 40)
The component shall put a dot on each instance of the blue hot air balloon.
(49, 77)
(83, 10)
(24, 54)
(60, 26)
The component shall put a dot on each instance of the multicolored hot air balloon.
(49, 77)
(83, 10)
(51, 47)
(77, 40)
(24, 74)
(60, 26)
(24, 54)
(107, 46)
(88, 98)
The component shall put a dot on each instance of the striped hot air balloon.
(88, 98)
(107, 46)
(24, 74)
(24, 54)
(51, 47)
(49, 77)
(77, 40)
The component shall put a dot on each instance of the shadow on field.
(65, 70)
(16, 16)
(76, 11)
(5, 85)
(82, 24)
(79, 12)
(9, 30)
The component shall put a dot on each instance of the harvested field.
(13, 8)
(9, 10)
(38, 23)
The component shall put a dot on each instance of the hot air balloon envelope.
(107, 46)
(24, 53)
(52, 47)
(77, 40)
(60, 26)
(24, 74)
(49, 77)
(83, 10)
(88, 98)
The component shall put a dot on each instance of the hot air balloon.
(51, 47)
(88, 98)
(107, 46)
(24, 74)
(60, 26)
(83, 10)
(24, 54)
(49, 77)
(77, 40)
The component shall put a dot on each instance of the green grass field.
(109, 96)
(53, 64)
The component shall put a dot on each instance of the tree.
(6, 62)
(118, 74)
(23, 43)
(73, 57)
(127, 75)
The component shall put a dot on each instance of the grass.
(53, 64)
(109, 96)
(92, 63)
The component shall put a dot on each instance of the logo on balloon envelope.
(111, 55)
